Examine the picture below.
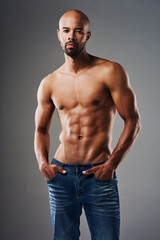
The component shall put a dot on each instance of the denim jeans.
(69, 192)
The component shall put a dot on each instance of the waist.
(75, 167)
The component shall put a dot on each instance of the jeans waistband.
(75, 166)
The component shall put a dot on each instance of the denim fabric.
(69, 192)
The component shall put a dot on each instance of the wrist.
(43, 164)
(111, 163)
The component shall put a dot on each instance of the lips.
(71, 45)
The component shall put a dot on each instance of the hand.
(49, 171)
(103, 171)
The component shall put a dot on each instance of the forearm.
(41, 147)
(126, 140)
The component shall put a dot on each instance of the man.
(86, 91)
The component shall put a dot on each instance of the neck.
(77, 63)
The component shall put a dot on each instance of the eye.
(79, 31)
(66, 31)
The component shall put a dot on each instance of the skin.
(86, 91)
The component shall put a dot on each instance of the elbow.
(137, 124)
(134, 123)
(42, 130)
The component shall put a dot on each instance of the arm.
(43, 117)
(125, 103)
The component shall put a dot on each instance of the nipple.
(61, 107)
(80, 137)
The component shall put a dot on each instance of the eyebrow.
(75, 28)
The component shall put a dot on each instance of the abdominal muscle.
(85, 136)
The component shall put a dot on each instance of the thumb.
(60, 169)
(89, 171)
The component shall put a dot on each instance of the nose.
(71, 36)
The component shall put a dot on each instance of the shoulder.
(112, 68)
(109, 67)
(47, 82)
(45, 87)
(114, 74)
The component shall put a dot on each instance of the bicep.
(43, 116)
(45, 109)
(125, 102)
(122, 94)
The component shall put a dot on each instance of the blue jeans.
(100, 199)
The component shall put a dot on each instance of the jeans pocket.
(106, 180)
(52, 179)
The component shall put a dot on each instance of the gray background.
(125, 31)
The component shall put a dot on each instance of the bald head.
(73, 28)
(75, 14)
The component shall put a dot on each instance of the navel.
(61, 107)
(95, 102)
(80, 137)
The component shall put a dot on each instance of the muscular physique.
(86, 91)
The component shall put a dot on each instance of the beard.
(73, 52)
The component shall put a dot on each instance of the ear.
(58, 34)
(88, 35)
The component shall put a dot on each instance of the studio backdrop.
(123, 31)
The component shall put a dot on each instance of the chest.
(87, 90)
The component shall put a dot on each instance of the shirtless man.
(86, 91)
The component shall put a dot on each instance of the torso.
(86, 112)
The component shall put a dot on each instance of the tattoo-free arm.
(43, 118)
(125, 102)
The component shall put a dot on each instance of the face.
(73, 34)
